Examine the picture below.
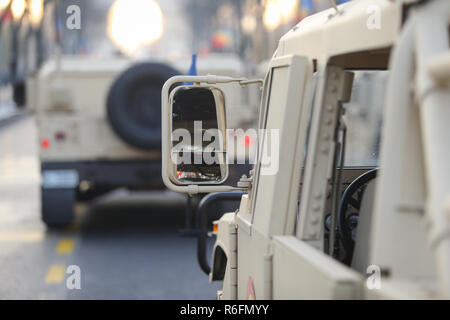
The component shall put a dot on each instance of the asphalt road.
(127, 246)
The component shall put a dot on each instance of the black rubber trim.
(345, 238)
(202, 213)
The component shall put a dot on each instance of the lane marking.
(47, 296)
(65, 246)
(21, 236)
(55, 274)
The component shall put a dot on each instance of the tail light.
(45, 143)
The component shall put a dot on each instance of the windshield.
(363, 118)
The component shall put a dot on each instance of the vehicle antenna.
(333, 4)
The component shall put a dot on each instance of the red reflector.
(247, 141)
(45, 143)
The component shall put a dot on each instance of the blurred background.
(33, 31)
(137, 28)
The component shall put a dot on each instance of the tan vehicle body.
(70, 96)
(273, 246)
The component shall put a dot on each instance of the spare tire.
(134, 104)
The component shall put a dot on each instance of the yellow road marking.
(47, 296)
(21, 236)
(55, 274)
(65, 246)
(80, 209)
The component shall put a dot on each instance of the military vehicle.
(349, 197)
(99, 125)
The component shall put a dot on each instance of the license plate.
(52, 179)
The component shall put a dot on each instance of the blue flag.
(192, 69)
(308, 6)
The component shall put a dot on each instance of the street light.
(288, 8)
(4, 4)
(17, 9)
(36, 9)
(134, 23)
(248, 24)
(272, 15)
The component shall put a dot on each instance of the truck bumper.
(142, 174)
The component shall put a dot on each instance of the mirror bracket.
(245, 182)
(246, 82)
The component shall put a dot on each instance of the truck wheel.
(134, 104)
(57, 207)
(19, 95)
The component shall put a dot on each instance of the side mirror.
(193, 134)
(198, 140)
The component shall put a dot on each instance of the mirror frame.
(166, 119)
(219, 99)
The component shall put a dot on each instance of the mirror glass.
(198, 142)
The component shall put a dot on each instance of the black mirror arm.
(202, 213)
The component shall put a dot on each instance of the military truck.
(99, 125)
(349, 197)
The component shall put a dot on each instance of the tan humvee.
(99, 124)
(335, 219)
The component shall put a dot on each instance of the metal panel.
(277, 190)
(303, 272)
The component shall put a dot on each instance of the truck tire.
(19, 95)
(57, 207)
(134, 104)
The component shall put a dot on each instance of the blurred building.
(249, 29)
